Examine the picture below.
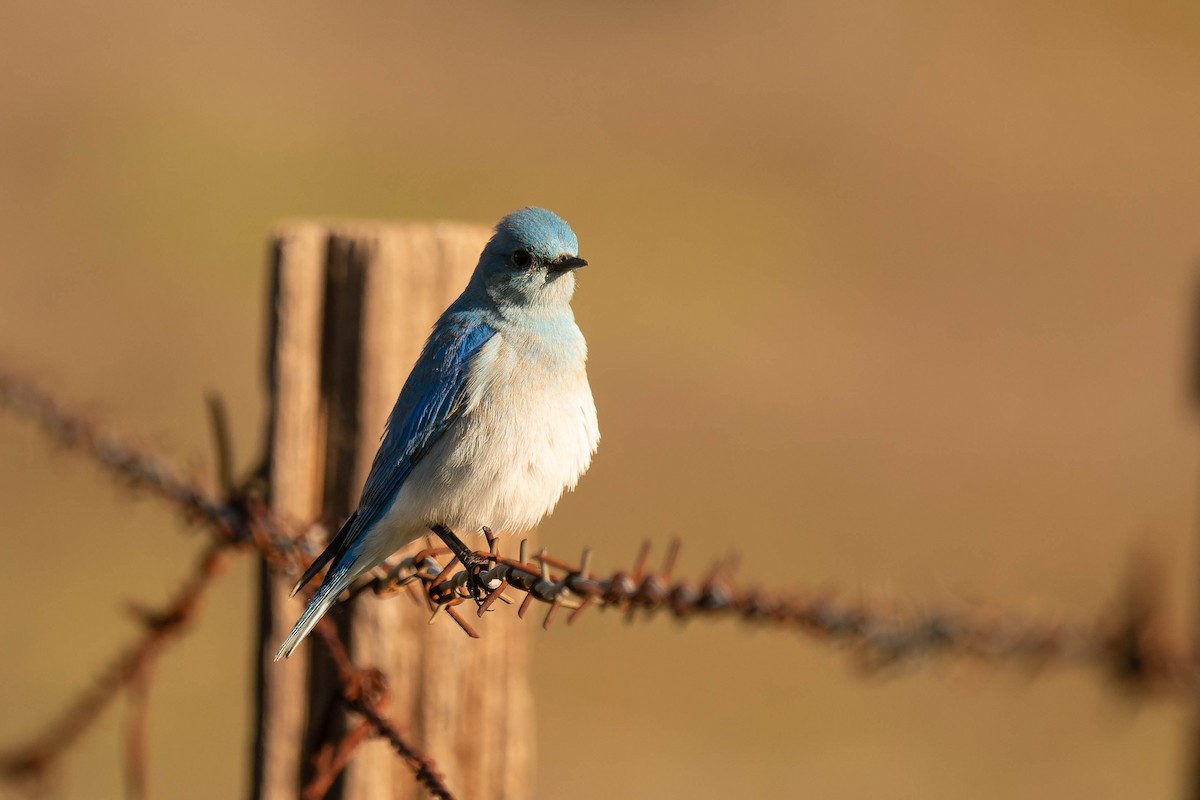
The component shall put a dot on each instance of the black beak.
(567, 264)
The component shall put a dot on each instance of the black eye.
(521, 258)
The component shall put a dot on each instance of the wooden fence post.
(351, 306)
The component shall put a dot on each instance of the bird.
(494, 424)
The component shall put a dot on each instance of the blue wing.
(434, 395)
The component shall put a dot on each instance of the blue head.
(530, 260)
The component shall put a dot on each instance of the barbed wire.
(1125, 642)
(240, 520)
(121, 457)
(365, 692)
(131, 666)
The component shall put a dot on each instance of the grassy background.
(889, 297)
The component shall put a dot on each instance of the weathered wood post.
(351, 306)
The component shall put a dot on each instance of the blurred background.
(891, 298)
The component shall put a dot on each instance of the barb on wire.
(222, 444)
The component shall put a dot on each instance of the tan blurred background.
(890, 298)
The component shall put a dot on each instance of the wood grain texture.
(293, 373)
(341, 355)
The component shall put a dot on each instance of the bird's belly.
(509, 461)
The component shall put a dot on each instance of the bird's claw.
(476, 566)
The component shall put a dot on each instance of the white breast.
(527, 435)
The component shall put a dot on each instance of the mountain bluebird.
(494, 423)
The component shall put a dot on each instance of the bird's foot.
(476, 566)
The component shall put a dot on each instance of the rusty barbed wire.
(1128, 646)
(135, 466)
(1125, 643)
(331, 759)
(365, 692)
(131, 666)
(239, 520)
(137, 732)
